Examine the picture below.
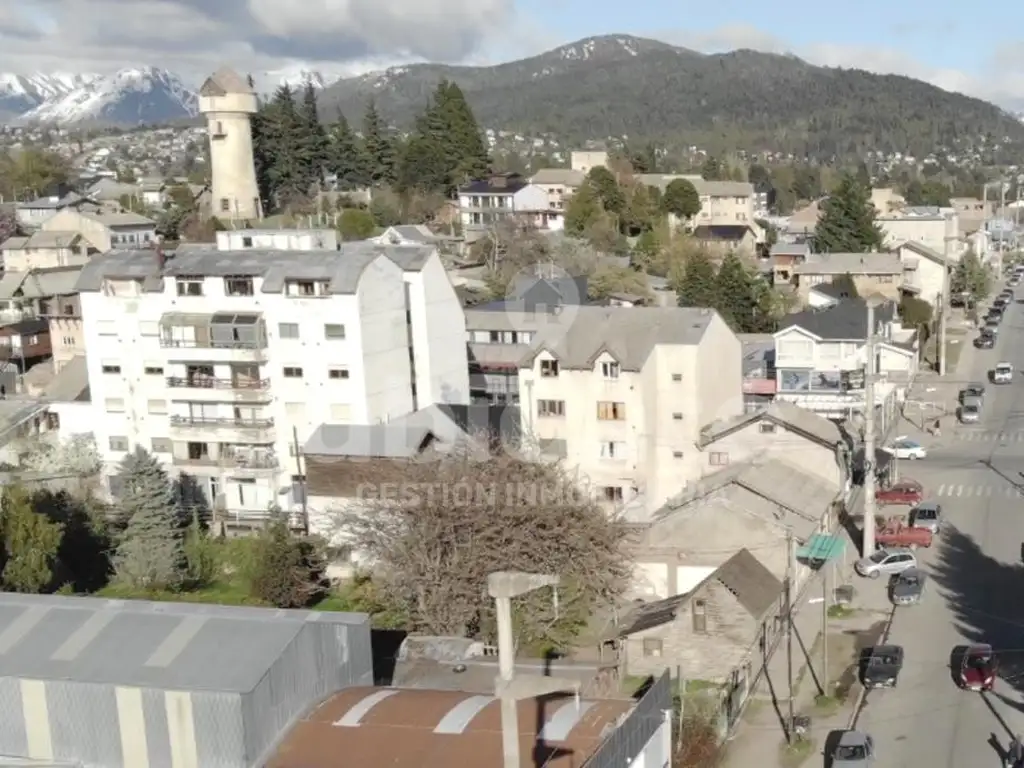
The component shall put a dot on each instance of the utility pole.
(824, 627)
(790, 557)
(870, 477)
(943, 307)
(509, 687)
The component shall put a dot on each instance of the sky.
(975, 49)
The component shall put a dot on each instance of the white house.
(929, 226)
(924, 270)
(220, 362)
(104, 230)
(484, 203)
(622, 393)
(820, 358)
(278, 239)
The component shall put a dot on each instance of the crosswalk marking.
(960, 490)
(978, 436)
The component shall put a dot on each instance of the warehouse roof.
(413, 728)
(178, 646)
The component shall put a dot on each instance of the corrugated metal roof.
(145, 644)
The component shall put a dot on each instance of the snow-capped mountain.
(21, 93)
(130, 96)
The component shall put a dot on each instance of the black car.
(1002, 301)
(880, 666)
(985, 341)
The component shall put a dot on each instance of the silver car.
(970, 411)
(854, 749)
(886, 562)
(927, 514)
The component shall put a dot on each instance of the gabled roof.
(923, 250)
(852, 263)
(755, 588)
(845, 321)
(791, 417)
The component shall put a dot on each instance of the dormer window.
(189, 286)
(549, 368)
(238, 286)
(610, 369)
(307, 288)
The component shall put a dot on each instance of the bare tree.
(433, 538)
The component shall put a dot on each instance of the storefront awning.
(822, 548)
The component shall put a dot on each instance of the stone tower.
(228, 101)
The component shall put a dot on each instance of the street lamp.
(868, 547)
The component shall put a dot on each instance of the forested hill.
(620, 85)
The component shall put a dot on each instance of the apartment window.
(300, 288)
(111, 368)
(154, 370)
(337, 373)
(700, 616)
(885, 278)
(610, 370)
(292, 372)
(334, 331)
(288, 330)
(239, 286)
(677, 377)
(157, 407)
(114, 405)
(652, 648)
(608, 411)
(766, 429)
(718, 459)
(225, 205)
(161, 445)
(677, 416)
(119, 443)
(613, 450)
(69, 309)
(677, 454)
(247, 242)
(548, 368)
(190, 286)
(551, 407)
(611, 493)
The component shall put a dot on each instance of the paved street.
(975, 587)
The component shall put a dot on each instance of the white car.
(905, 448)
(1003, 374)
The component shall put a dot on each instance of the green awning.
(822, 547)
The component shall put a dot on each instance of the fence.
(629, 739)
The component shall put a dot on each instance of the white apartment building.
(220, 362)
(487, 202)
(622, 394)
(928, 226)
(278, 239)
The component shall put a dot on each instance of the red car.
(904, 492)
(979, 668)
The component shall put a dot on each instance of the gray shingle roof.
(149, 645)
(845, 321)
(124, 219)
(564, 176)
(784, 414)
(852, 263)
(378, 441)
(579, 334)
(342, 268)
(923, 250)
(41, 239)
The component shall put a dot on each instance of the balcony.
(209, 389)
(214, 430)
(222, 337)
(239, 462)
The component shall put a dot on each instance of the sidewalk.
(759, 737)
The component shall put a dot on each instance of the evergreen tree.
(734, 292)
(285, 133)
(601, 180)
(697, 287)
(262, 156)
(847, 222)
(345, 157)
(465, 147)
(151, 550)
(30, 543)
(378, 147)
(681, 199)
(287, 571)
(583, 210)
(425, 162)
(314, 145)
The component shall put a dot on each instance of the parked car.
(905, 448)
(927, 514)
(985, 340)
(880, 666)
(978, 668)
(906, 588)
(970, 412)
(973, 390)
(992, 326)
(905, 491)
(896, 533)
(854, 749)
(1002, 374)
(886, 562)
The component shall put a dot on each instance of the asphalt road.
(975, 586)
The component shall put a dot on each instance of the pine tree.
(697, 286)
(287, 571)
(262, 157)
(285, 133)
(734, 292)
(314, 145)
(468, 150)
(151, 552)
(345, 157)
(378, 147)
(426, 160)
(30, 543)
(847, 222)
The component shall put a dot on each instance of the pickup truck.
(895, 532)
